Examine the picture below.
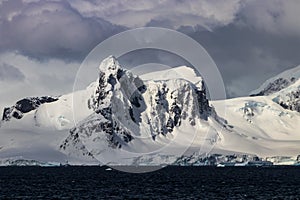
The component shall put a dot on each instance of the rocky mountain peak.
(278, 82)
(126, 107)
(109, 65)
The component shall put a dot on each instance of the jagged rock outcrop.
(24, 106)
(289, 99)
(278, 82)
(275, 86)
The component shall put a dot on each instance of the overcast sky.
(43, 42)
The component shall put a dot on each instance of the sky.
(43, 42)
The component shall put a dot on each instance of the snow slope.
(259, 126)
(181, 72)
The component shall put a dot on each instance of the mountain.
(135, 116)
(278, 82)
(119, 114)
(283, 89)
(161, 117)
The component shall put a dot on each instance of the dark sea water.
(167, 183)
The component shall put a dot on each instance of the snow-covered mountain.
(120, 114)
(123, 119)
(277, 83)
(132, 117)
(284, 89)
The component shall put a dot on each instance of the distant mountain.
(284, 89)
(151, 120)
(277, 83)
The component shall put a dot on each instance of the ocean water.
(167, 183)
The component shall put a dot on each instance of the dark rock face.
(73, 141)
(162, 109)
(114, 132)
(94, 128)
(290, 100)
(275, 86)
(100, 94)
(175, 117)
(203, 103)
(215, 159)
(170, 106)
(24, 106)
(102, 122)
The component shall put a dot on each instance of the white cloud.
(137, 13)
(10, 73)
(274, 16)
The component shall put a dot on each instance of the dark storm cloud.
(144, 56)
(250, 40)
(246, 57)
(70, 29)
(280, 17)
(10, 73)
(262, 41)
(50, 29)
